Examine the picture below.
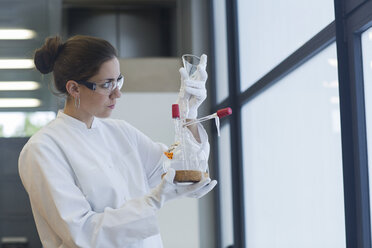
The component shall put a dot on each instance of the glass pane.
(293, 161)
(225, 187)
(271, 30)
(23, 124)
(220, 42)
(367, 71)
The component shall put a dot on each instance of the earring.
(77, 102)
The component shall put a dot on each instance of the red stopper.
(175, 111)
(224, 112)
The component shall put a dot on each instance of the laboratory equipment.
(186, 156)
(190, 63)
(219, 114)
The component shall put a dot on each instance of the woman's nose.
(116, 93)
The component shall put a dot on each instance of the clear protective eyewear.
(105, 88)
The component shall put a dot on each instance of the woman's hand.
(193, 89)
(168, 190)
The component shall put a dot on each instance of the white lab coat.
(87, 186)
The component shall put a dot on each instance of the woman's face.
(93, 103)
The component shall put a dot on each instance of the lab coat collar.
(75, 122)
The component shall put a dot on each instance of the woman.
(97, 182)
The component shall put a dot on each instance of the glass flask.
(186, 155)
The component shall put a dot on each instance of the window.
(23, 124)
(220, 58)
(301, 124)
(292, 160)
(367, 75)
(269, 31)
(225, 187)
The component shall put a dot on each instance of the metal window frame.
(351, 23)
(214, 138)
(352, 17)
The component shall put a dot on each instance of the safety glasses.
(105, 88)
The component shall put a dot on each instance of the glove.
(193, 91)
(203, 191)
(167, 190)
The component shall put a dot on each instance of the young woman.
(96, 182)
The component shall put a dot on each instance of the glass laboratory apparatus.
(186, 156)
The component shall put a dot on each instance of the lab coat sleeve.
(151, 154)
(54, 194)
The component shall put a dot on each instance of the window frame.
(352, 17)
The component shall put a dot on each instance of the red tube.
(175, 111)
(224, 112)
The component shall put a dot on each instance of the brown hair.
(79, 58)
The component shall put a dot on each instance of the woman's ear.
(73, 88)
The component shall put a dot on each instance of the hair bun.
(46, 56)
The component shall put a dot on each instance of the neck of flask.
(177, 122)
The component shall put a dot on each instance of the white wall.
(151, 113)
